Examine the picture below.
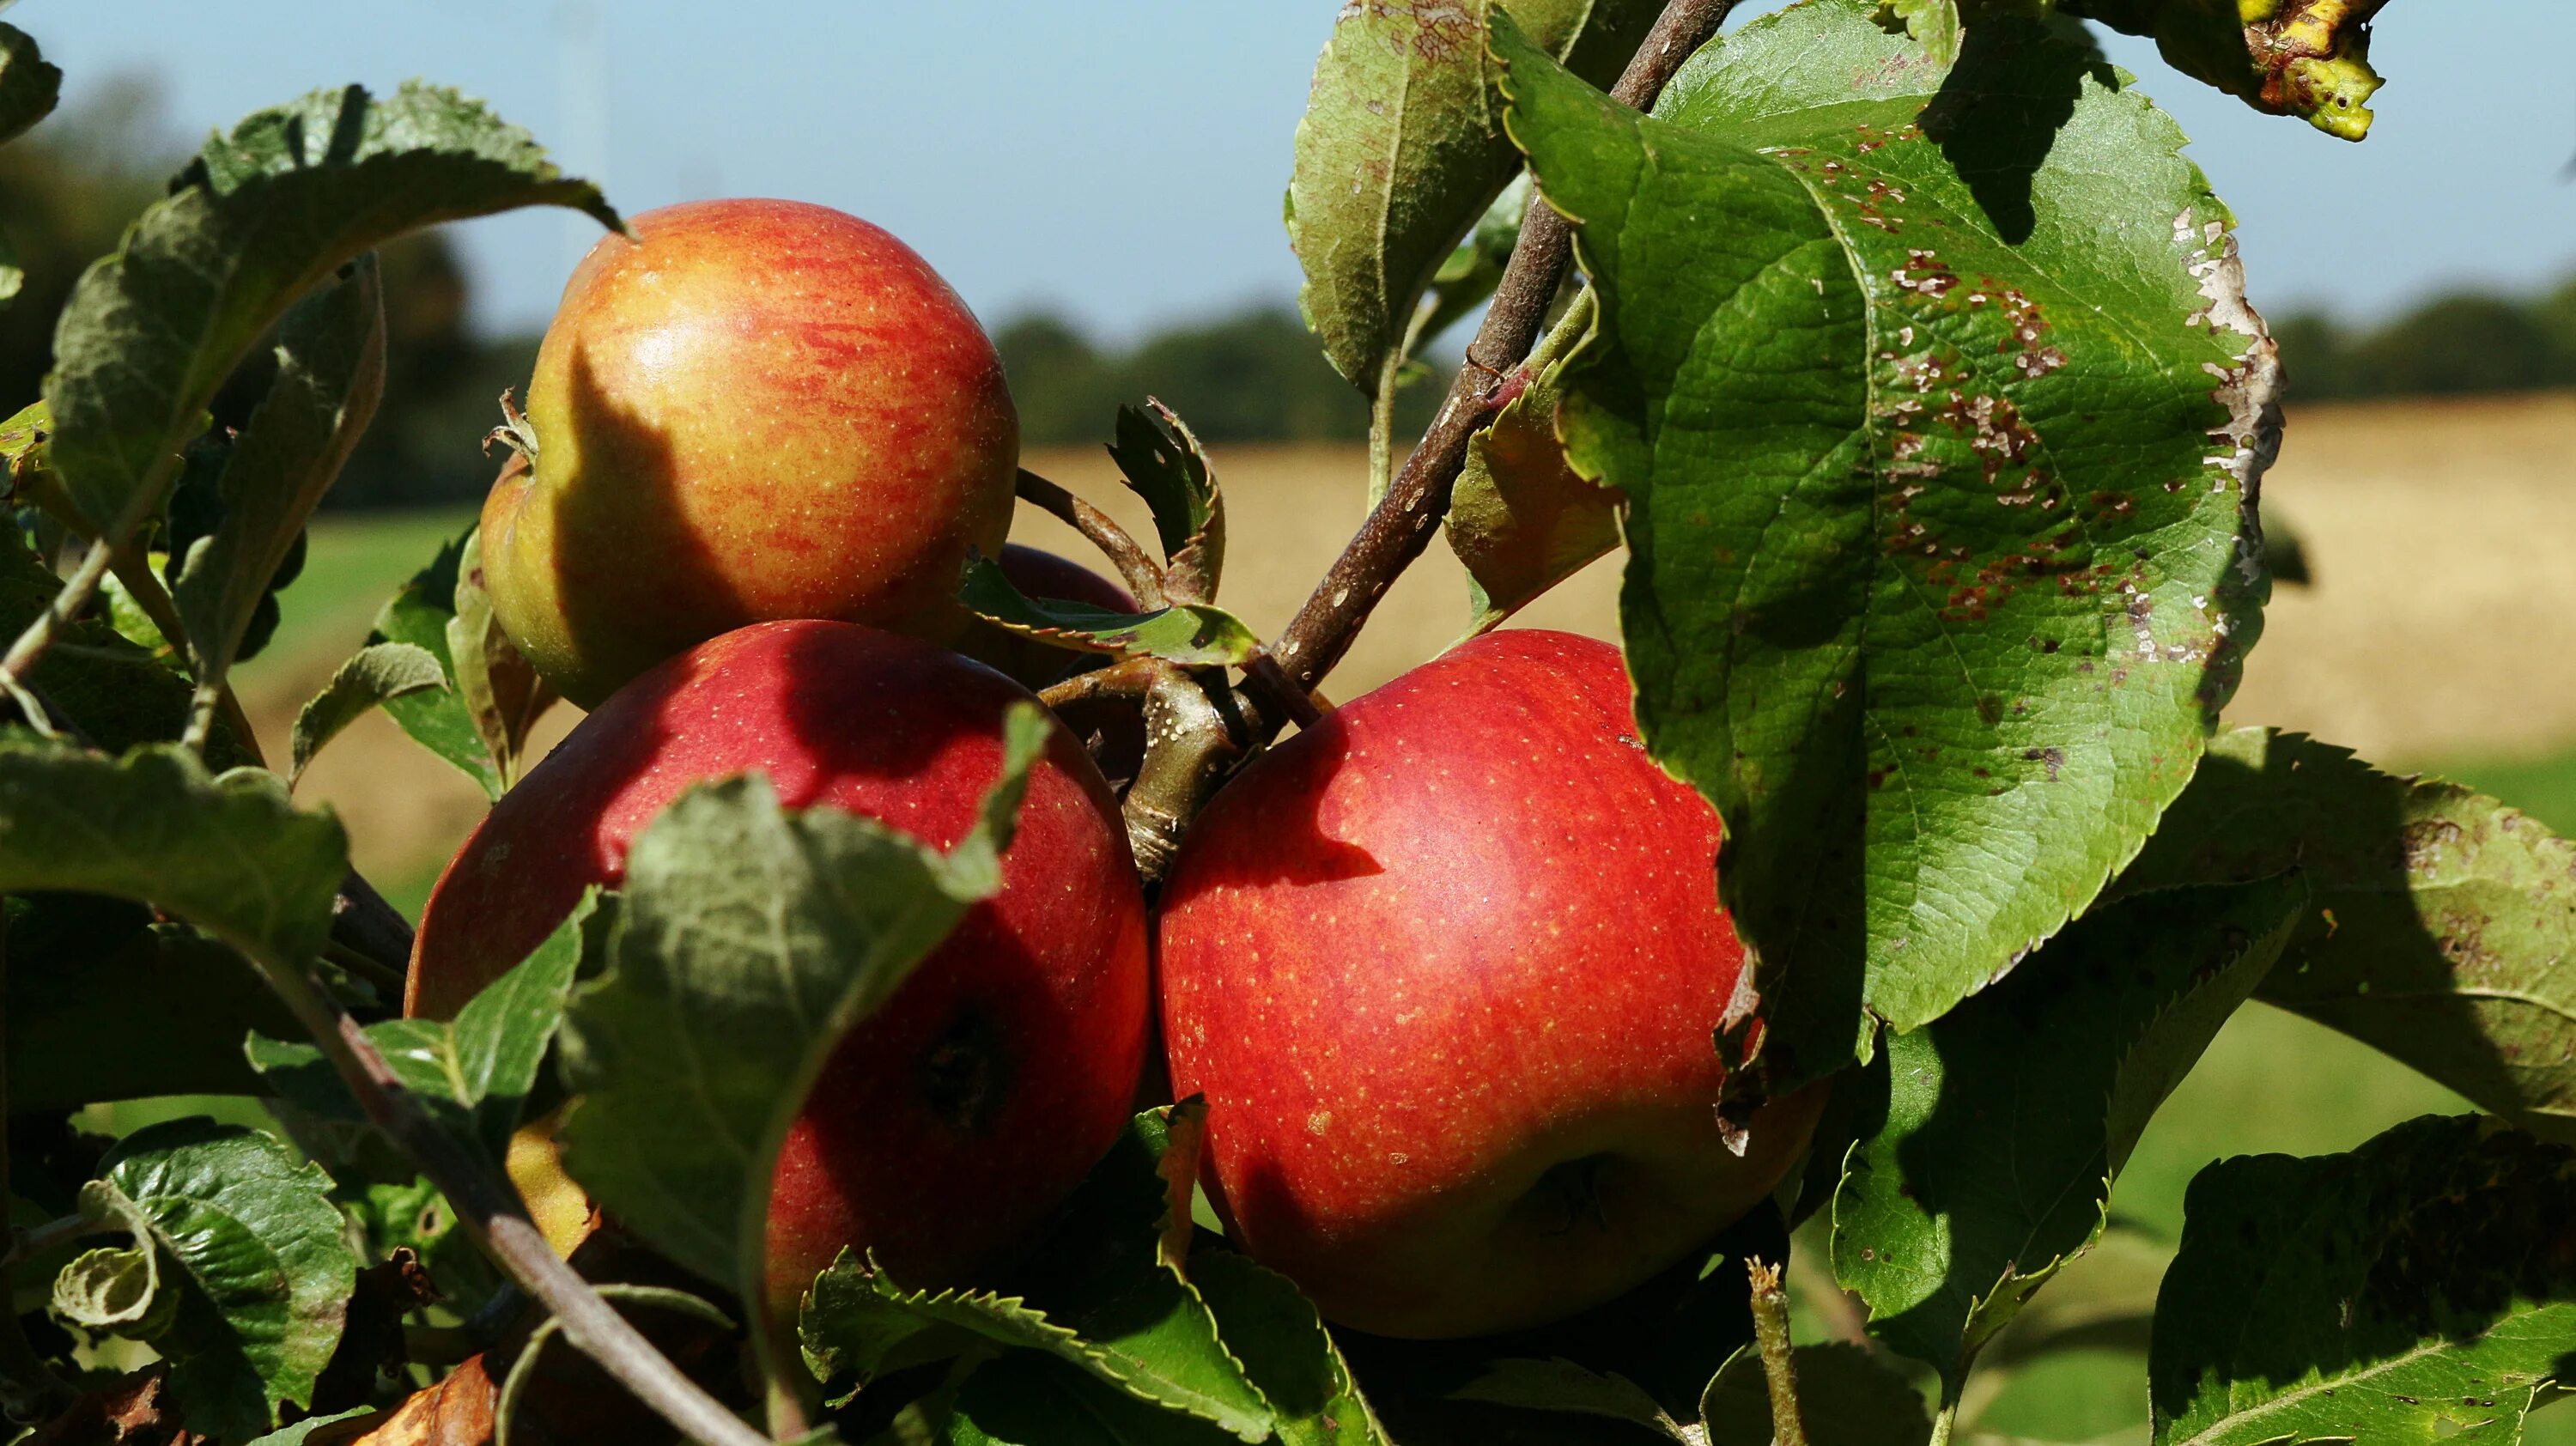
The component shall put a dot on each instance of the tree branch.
(492, 1213)
(1143, 577)
(1779, 1359)
(1401, 525)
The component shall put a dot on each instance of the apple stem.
(514, 431)
(1400, 526)
(495, 1218)
(1779, 1362)
(1138, 568)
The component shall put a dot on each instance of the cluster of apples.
(1446, 966)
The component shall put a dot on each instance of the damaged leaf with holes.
(1938, 462)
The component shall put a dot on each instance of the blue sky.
(1122, 160)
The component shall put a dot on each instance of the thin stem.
(1382, 422)
(1400, 526)
(40, 1240)
(213, 698)
(1265, 670)
(362, 921)
(30, 647)
(496, 1219)
(1131, 679)
(1779, 1359)
(1143, 577)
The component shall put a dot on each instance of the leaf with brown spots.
(1938, 411)
(2444, 932)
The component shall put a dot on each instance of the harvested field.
(2442, 534)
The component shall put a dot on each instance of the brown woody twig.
(1402, 523)
(1144, 578)
(1779, 1360)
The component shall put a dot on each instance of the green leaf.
(2417, 1289)
(1401, 148)
(1025, 1399)
(1195, 634)
(302, 1431)
(116, 692)
(1937, 458)
(261, 216)
(1471, 273)
(228, 853)
(116, 1290)
(373, 676)
(419, 615)
(1521, 519)
(748, 941)
(1122, 1312)
(2444, 934)
(500, 689)
(2008, 1119)
(474, 1074)
(1564, 1387)
(1846, 1397)
(1934, 24)
(30, 85)
(2307, 58)
(330, 375)
(1163, 463)
(1281, 1343)
(75, 1036)
(258, 1243)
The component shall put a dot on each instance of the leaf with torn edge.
(1192, 634)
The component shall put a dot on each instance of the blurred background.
(1102, 180)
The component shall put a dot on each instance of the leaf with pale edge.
(1522, 520)
(1163, 463)
(372, 677)
(303, 1431)
(418, 615)
(228, 853)
(1402, 147)
(330, 375)
(473, 1074)
(1846, 1397)
(1128, 1318)
(2418, 1289)
(1937, 456)
(258, 218)
(1193, 634)
(748, 941)
(2445, 928)
(2007, 1120)
(251, 1243)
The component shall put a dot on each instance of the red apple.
(755, 410)
(1448, 967)
(975, 1100)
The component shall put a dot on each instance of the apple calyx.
(515, 431)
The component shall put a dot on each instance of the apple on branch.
(753, 410)
(1449, 968)
(949, 1122)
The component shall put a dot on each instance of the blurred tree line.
(69, 189)
(2458, 342)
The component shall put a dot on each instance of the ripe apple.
(755, 410)
(952, 1119)
(1448, 968)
